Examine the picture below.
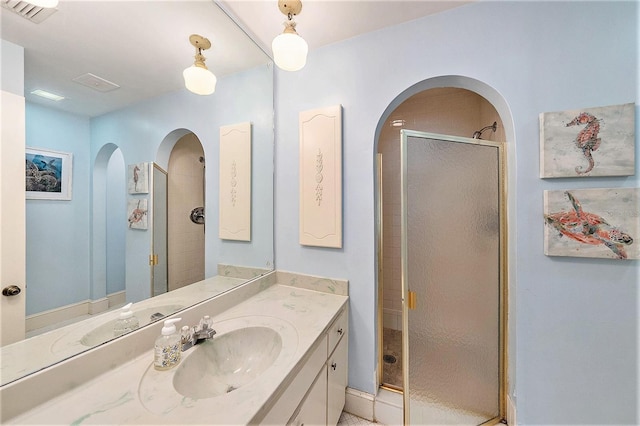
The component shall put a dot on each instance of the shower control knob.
(12, 290)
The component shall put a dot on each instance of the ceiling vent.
(35, 14)
(96, 83)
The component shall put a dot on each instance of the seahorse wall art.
(603, 223)
(587, 142)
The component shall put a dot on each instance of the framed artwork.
(137, 213)
(48, 174)
(601, 223)
(320, 132)
(138, 178)
(588, 142)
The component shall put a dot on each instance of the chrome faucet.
(191, 336)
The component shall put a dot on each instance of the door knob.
(12, 290)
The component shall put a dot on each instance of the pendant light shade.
(200, 81)
(289, 49)
(197, 78)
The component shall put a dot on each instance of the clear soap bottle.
(167, 347)
(126, 322)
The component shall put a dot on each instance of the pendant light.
(197, 78)
(289, 49)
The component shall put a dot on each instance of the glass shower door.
(452, 265)
(159, 264)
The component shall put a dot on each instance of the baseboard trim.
(54, 316)
(359, 403)
(384, 408)
(68, 312)
(97, 306)
(117, 298)
(511, 412)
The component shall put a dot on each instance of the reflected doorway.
(115, 224)
(186, 193)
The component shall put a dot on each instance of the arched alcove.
(108, 178)
(492, 103)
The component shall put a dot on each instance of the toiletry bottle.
(167, 346)
(126, 322)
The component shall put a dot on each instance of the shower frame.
(503, 283)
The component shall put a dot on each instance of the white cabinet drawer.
(337, 330)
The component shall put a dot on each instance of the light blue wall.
(58, 231)
(573, 344)
(116, 223)
(140, 130)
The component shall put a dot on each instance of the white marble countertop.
(117, 397)
(30, 355)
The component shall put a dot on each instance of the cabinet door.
(313, 411)
(337, 381)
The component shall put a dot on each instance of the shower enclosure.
(453, 279)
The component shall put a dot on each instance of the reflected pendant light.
(289, 49)
(197, 78)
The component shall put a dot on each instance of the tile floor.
(347, 419)
(392, 357)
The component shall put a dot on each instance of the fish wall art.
(587, 142)
(601, 223)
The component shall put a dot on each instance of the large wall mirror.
(89, 256)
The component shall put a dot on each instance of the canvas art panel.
(137, 213)
(320, 132)
(588, 142)
(138, 178)
(48, 174)
(600, 223)
(235, 182)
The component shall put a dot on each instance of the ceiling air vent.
(28, 11)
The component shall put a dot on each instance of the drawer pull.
(340, 331)
(334, 365)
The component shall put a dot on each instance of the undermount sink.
(225, 363)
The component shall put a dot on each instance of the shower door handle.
(411, 299)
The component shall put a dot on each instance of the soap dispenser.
(167, 346)
(126, 322)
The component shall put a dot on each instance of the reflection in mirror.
(84, 260)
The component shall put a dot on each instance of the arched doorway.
(442, 105)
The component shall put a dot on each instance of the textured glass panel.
(453, 266)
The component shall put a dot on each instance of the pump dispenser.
(167, 346)
(126, 322)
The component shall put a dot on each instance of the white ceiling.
(143, 46)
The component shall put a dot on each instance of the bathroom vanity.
(280, 356)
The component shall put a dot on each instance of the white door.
(12, 219)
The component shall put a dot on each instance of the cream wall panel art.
(321, 177)
(235, 182)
